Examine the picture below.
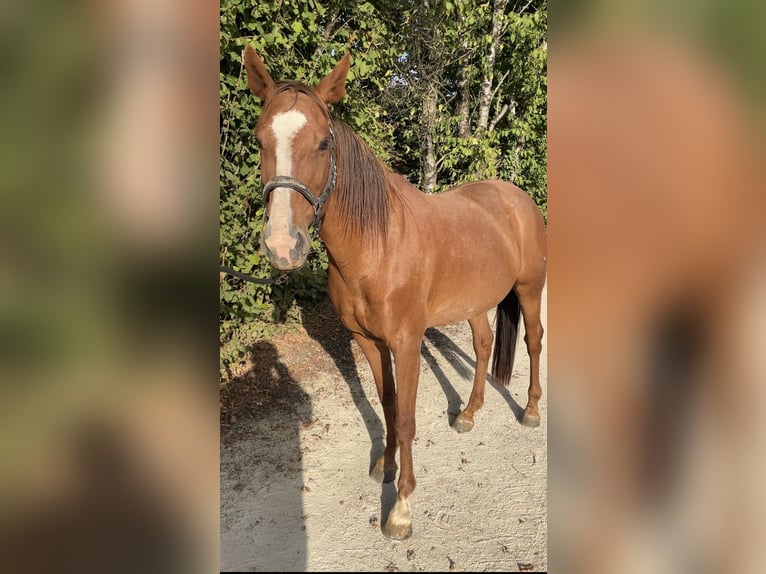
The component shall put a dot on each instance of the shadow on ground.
(263, 412)
(465, 367)
(322, 324)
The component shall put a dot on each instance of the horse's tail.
(506, 333)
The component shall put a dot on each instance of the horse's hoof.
(381, 474)
(462, 425)
(398, 525)
(396, 531)
(377, 474)
(529, 420)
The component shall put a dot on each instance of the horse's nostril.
(301, 243)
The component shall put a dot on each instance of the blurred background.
(657, 286)
(108, 292)
(109, 296)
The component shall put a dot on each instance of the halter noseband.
(316, 202)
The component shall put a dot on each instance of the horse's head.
(294, 134)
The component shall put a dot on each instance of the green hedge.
(304, 39)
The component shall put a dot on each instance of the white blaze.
(285, 127)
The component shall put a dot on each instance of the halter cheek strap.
(282, 181)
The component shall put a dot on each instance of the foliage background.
(444, 92)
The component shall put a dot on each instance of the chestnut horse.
(400, 261)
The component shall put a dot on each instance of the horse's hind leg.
(379, 358)
(530, 299)
(482, 346)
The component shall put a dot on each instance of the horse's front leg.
(379, 357)
(407, 360)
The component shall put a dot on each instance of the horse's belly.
(472, 283)
(462, 306)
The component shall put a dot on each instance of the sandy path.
(295, 494)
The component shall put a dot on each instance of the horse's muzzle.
(286, 251)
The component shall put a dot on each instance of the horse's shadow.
(465, 366)
(263, 412)
(322, 324)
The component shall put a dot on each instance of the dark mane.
(361, 187)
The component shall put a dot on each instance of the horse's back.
(508, 208)
(484, 237)
(501, 199)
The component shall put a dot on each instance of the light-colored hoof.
(399, 523)
(462, 424)
(380, 473)
(397, 531)
(529, 420)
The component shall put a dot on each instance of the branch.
(500, 83)
(498, 117)
(524, 9)
(440, 161)
(328, 31)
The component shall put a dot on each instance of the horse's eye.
(324, 144)
(257, 141)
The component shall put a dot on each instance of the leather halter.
(282, 181)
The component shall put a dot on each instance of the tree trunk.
(427, 152)
(485, 95)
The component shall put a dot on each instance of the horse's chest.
(349, 304)
(363, 316)
(359, 311)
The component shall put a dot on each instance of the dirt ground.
(301, 427)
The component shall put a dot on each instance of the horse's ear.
(332, 88)
(258, 78)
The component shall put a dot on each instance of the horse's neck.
(347, 257)
(348, 249)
